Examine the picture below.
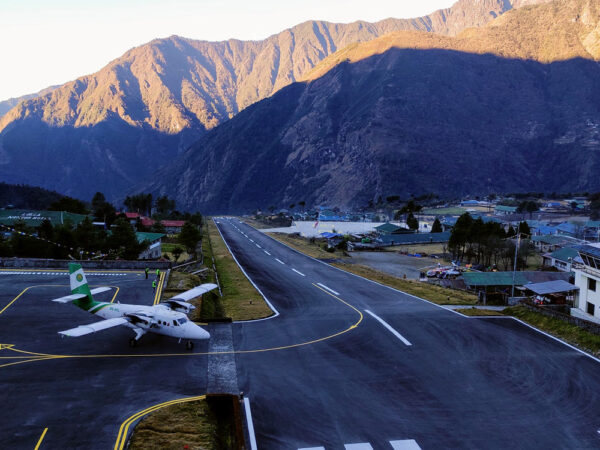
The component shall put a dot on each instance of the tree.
(189, 237)
(164, 206)
(123, 241)
(437, 226)
(302, 204)
(69, 204)
(158, 227)
(524, 229)
(103, 211)
(412, 222)
(292, 206)
(140, 203)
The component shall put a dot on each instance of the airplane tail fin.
(79, 284)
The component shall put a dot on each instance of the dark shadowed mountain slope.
(110, 129)
(408, 114)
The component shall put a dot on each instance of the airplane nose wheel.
(189, 345)
(132, 342)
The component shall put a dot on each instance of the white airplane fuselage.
(160, 319)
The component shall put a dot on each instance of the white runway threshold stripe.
(328, 289)
(250, 424)
(407, 444)
(388, 326)
(298, 272)
(359, 446)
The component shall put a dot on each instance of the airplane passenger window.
(174, 322)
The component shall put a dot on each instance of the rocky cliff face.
(107, 130)
(512, 106)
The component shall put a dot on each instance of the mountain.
(108, 130)
(27, 197)
(512, 106)
(7, 105)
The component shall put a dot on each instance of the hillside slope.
(512, 106)
(110, 129)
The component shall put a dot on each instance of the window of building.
(591, 284)
(590, 308)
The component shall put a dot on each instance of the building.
(154, 250)
(587, 279)
(502, 210)
(562, 259)
(173, 226)
(389, 228)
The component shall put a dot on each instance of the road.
(325, 373)
(75, 393)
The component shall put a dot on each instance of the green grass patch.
(166, 247)
(452, 211)
(240, 299)
(559, 328)
(307, 246)
(431, 292)
(180, 282)
(479, 312)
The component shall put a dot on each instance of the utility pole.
(516, 252)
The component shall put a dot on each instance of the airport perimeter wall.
(35, 263)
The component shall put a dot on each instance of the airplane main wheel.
(189, 345)
(132, 342)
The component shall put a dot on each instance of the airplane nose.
(196, 332)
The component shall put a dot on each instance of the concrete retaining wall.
(592, 327)
(35, 263)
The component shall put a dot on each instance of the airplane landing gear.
(132, 342)
(189, 345)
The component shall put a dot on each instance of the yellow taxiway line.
(41, 439)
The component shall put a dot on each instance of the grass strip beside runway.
(572, 334)
(240, 299)
(431, 292)
(310, 247)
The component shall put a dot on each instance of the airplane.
(167, 318)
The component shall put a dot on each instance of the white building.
(587, 279)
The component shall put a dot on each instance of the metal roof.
(506, 278)
(590, 250)
(563, 254)
(388, 228)
(551, 287)
(141, 236)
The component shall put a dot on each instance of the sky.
(49, 42)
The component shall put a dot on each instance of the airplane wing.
(69, 298)
(100, 289)
(73, 297)
(195, 292)
(93, 327)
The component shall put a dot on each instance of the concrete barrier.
(37, 263)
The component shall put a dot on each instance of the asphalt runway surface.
(67, 393)
(350, 364)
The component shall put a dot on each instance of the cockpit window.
(182, 321)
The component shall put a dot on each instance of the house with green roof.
(389, 228)
(562, 259)
(154, 249)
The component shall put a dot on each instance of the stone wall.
(592, 327)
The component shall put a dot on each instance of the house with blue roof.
(562, 259)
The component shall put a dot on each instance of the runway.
(343, 363)
(325, 373)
